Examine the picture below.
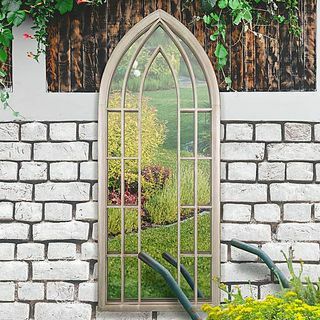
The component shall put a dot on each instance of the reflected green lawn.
(155, 241)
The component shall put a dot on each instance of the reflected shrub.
(114, 221)
(162, 206)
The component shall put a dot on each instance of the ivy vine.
(248, 14)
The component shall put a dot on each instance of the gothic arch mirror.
(158, 168)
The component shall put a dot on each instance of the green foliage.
(162, 206)
(249, 15)
(13, 13)
(114, 221)
(155, 241)
(153, 135)
(286, 307)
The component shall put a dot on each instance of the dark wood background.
(81, 43)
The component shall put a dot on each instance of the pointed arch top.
(146, 27)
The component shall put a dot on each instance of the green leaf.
(221, 52)
(207, 19)
(238, 18)
(2, 73)
(234, 4)
(64, 6)
(10, 5)
(214, 36)
(16, 113)
(3, 55)
(6, 37)
(16, 17)
(247, 15)
(228, 81)
(222, 4)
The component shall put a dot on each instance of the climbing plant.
(248, 15)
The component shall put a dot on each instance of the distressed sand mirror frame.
(184, 41)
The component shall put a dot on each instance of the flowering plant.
(13, 13)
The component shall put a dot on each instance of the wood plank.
(261, 62)
(273, 58)
(236, 58)
(310, 44)
(88, 51)
(76, 52)
(64, 54)
(101, 56)
(52, 56)
(249, 61)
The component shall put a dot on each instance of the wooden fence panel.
(82, 42)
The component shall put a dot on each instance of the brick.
(268, 212)
(271, 171)
(246, 232)
(243, 192)
(317, 132)
(247, 290)
(300, 171)
(62, 311)
(62, 251)
(95, 192)
(7, 290)
(8, 170)
(237, 212)
(242, 151)
(15, 191)
(34, 131)
(88, 291)
(6, 210)
(15, 151)
(301, 250)
(30, 251)
(224, 252)
(28, 211)
(33, 171)
(309, 270)
(223, 170)
(269, 289)
(89, 170)
(95, 231)
(7, 251)
(30, 291)
(240, 255)
(14, 311)
(63, 131)
(64, 171)
(61, 270)
(58, 211)
(87, 211)
(73, 230)
(241, 272)
(318, 171)
(14, 231)
(294, 151)
(61, 151)
(89, 251)
(13, 270)
(297, 132)
(317, 211)
(298, 232)
(9, 131)
(242, 171)
(268, 132)
(60, 191)
(95, 150)
(60, 291)
(88, 131)
(239, 131)
(297, 212)
(294, 192)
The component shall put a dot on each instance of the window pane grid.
(195, 206)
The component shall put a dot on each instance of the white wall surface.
(32, 100)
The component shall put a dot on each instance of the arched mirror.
(158, 167)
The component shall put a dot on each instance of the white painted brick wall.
(49, 211)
